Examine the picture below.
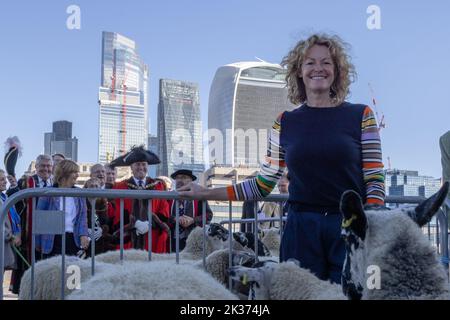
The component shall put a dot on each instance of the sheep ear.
(353, 216)
(428, 208)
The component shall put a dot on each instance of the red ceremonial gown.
(160, 207)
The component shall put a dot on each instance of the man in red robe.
(136, 223)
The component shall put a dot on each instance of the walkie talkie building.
(244, 100)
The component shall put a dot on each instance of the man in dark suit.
(190, 211)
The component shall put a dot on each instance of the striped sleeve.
(270, 172)
(372, 159)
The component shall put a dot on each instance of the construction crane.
(123, 86)
(381, 123)
(113, 78)
(124, 112)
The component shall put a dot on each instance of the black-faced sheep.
(270, 280)
(387, 255)
(387, 258)
(247, 240)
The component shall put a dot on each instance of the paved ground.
(7, 295)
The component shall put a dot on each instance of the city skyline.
(60, 69)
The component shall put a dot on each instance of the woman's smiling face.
(317, 70)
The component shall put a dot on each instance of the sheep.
(156, 280)
(215, 237)
(271, 280)
(47, 279)
(48, 276)
(388, 246)
(247, 240)
(389, 240)
(113, 257)
(271, 239)
(217, 263)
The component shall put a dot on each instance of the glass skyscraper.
(60, 140)
(179, 127)
(244, 100)
(123, 120)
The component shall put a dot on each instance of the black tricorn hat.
(13, 152)
(11, 160)
(136, 154)
(185, 172)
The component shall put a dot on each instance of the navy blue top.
(323, 155)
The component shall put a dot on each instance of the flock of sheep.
(389, 242)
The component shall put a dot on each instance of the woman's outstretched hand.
(201, 193)
(192, 190)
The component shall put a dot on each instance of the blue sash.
(13, 217)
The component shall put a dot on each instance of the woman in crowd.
(76, 229)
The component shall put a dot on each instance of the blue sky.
(50, 73)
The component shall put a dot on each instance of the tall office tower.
(153, 147)
(179, 127)
(244, 100)
(123, 120)
(60, 140)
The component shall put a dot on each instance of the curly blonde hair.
(344, 70)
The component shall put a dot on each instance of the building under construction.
(123, 120)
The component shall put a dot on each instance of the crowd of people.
(57, 172)
(104, 228)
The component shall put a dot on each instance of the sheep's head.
(242, 258)
(258, 277)
(241, 238)
(356, 226)
(216, 230)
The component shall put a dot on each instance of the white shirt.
(41, 182)
(71, 212)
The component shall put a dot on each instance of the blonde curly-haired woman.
(328, 145)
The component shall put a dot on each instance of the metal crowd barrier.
(53, 222)
(441, 225)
